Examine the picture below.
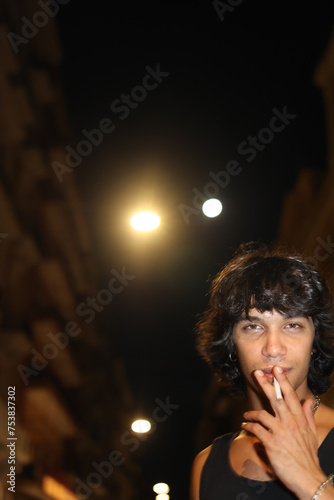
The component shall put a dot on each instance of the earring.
(233, 359)
(313, 353)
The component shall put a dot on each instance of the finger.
(262, 417)
(290, 397)
(258, 430)
(266, 386)
(269, 390)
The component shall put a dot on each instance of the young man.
(270, 315)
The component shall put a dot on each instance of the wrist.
(327, 483)
(310, 485)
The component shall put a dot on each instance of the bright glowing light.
(212, 208)
(162, 496)
(141, 426)
(161, 488)
(145, 221)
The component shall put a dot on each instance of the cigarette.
(278, 390)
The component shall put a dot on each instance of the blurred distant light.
(212, 208)
(145, 221)
(56, 490)
(141, 426)
(162, 496)
(161, 488)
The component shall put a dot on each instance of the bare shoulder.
(201, 458)
(196, 472)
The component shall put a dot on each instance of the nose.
(274, 346)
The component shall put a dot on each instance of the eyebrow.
(249, 318)
(257, 318)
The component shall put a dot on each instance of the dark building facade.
(62, 411)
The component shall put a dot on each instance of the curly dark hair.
(266, 279)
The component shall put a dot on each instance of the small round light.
(212, 208)
(145, 221)
(161, 488)
(141, 426)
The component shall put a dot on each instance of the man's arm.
(196, 473)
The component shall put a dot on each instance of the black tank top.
(219, 482)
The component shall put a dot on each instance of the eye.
(294, 326)
(251, 326)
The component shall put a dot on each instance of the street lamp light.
(145, 221)
(141, 426)
(212, 208)
(161, 488)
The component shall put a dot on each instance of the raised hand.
(289, 436)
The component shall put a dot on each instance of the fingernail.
(259, 372)
(279, 369)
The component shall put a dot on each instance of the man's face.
(268, 339)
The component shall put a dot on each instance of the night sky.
(214, 85)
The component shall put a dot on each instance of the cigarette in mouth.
(278, 390)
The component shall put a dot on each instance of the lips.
(269, 375)
(268, 372)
